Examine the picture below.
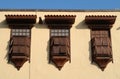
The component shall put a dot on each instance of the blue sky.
(60, 4)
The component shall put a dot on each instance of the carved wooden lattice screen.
(101, 38)
(19, 47)
(59, 26)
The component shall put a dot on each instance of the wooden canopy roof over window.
(60, 21)
(100, 21)
(21, 19)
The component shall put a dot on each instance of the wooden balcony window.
(19, 46)
(101, 41)
(100, 26)
(59, 49)
(59, 26)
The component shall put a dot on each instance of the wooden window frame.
(59, 22)
(100, 29)
(60, 32)
(21, 32)
(19, 52)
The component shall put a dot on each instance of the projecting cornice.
(21, 19)
(60, 21)
(100, 21)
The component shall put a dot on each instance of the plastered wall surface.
(80, 66)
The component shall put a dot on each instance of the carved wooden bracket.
(60, 61)
(101, 39)
(59, 26)
(18, 61)
(19, 47)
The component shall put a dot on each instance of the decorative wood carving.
(59, 21)
(101, 39)
(19, 50)
(59, 42)
(21, 19)
(19, 47)
(59, 51)
(59, 61)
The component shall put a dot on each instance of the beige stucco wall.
(80, 66)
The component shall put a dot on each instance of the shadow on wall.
(7, 56)
(3, 24)
(118, 28)
(48, 54)
(90, 55)
(83, 26)
(90, 51)
(44, 26)
(41, 25)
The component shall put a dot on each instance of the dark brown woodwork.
(59, 45)
(100, 19)
(21, 19)
(19, 51)
(59, 51)
(59, 21)
(101, 38)
(59, 61)
(19, 47)
(20, 26)
(18, 61)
